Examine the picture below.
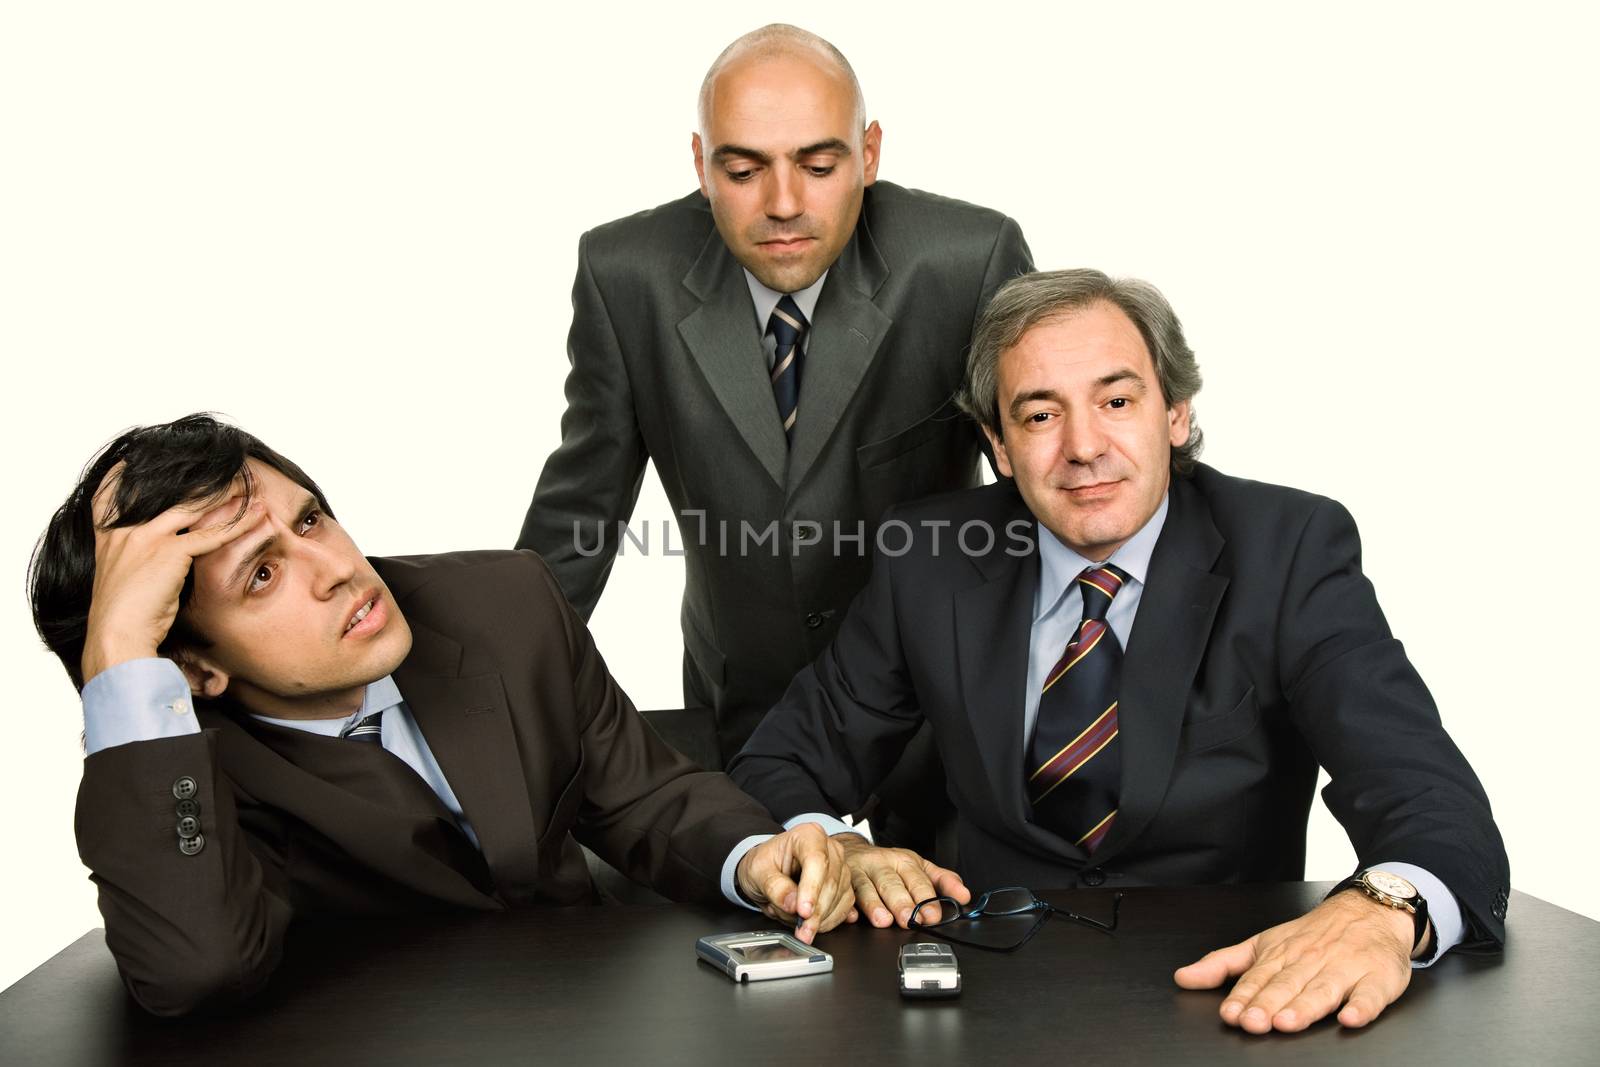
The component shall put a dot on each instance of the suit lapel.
(849, 330)
(992, 624)
(1170, 634)
(724, 339)
(467, 724)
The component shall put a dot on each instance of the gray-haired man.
(1133, 666)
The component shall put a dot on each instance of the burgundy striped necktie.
(1074, 761)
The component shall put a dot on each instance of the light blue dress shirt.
(766, 300)
(1057, 610)
(148, 699)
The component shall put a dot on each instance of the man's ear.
(1001, 460)
(1178, 424)
(871, 146)
(700, 164)
(205, 677)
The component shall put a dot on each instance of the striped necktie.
(1074, 760)
(788, 327)
(369, 730)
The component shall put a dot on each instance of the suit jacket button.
(1094, 876)
(184, 788)
(188, 826)
(813, 620)
(189, 846)
(188, 808)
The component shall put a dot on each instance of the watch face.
(1391, 884)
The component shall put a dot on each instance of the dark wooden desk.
(621, 986)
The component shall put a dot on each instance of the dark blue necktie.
(788, 327)
(368, 731)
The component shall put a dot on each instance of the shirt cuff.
(139, 700)
(1444, 914)
(730, 867)
(827, 822)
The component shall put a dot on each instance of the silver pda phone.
(928, 969)
(758, 955)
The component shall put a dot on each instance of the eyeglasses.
(1001, 920)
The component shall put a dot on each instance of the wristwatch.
(1394, 891)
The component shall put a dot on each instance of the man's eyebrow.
(248, 564)
(755, 155)
(1021, 400)
(1124, 375)
(832, 144)
(303, 507)
(1127, 374)
(724, 151)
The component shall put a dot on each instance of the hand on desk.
(1348, 950)
(890, 881)
(820, 901)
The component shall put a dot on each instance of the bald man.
(784, 343)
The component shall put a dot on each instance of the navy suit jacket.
(1258, 653)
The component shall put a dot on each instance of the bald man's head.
(783, 155)
(781, 39)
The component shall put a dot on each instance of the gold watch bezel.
(1384, 896)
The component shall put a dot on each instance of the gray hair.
(1025, 302)
(780, 38)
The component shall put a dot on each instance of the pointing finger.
(813, 856)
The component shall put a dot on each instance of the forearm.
(647, 810)
(192, 920)
(590, 483)
(1399, 786)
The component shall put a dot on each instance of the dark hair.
(191, 459)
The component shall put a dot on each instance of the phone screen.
(767, 951)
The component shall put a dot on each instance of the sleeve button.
(190, 846)
(185, 788)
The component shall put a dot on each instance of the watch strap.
(1419, 909)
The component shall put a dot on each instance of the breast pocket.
(1218, 730)
(928, 428)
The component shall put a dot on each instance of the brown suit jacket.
(541, 747)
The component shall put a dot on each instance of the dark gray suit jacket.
(667, 365)
(1258, 652)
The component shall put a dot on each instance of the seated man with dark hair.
(277, 726)
(1133, 665)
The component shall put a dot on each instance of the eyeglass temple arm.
(1116, 915)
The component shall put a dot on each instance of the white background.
(352, 228)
